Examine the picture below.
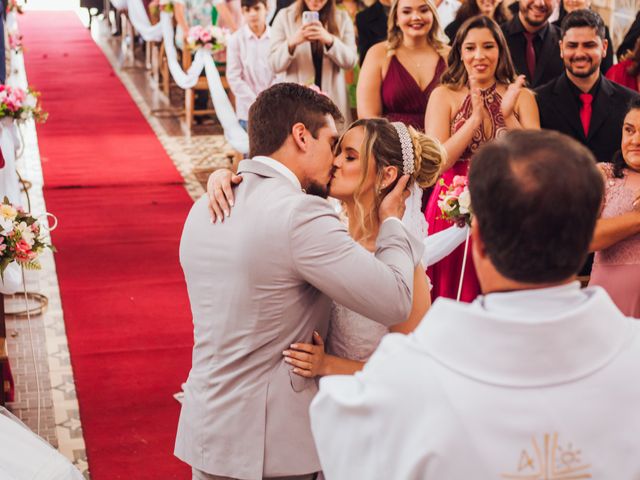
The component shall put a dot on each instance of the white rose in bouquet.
(464, 201)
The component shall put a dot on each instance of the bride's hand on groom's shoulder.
(220, 192)
(307, 359)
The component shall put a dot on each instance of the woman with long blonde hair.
(399, 74)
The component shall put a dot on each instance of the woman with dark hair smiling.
(479, 99)
(616, 240)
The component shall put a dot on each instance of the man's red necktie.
(530, 54)
(585, 111)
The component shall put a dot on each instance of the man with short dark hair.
(537, 375)
(533, 41)
(582, 102)
(264, 279)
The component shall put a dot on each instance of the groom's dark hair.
(536, 196)
(278, 108)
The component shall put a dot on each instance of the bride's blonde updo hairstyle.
(382, 143)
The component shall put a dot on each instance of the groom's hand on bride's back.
(220, 192)
(393, 204)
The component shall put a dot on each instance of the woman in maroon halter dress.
(479, 99)
(398, 75)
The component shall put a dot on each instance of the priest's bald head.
(536, 195)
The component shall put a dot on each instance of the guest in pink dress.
(480, 98)
(399, 74)
(627, 72)
(616, 241)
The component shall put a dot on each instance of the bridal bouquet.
(20, 105)
(15, 41)
(21, 238)
(14, 6)
(210, 38)
(455, 201)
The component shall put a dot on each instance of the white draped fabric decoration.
(24, 455)
(9, 136)
(233, 132)
(10, 144)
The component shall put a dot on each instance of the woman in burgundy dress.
(398, 75)
(479, 99)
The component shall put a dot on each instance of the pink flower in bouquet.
(459, 181)
(24, 254)
(206, 36)
(15, 41)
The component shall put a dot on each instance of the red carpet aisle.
(123, 294)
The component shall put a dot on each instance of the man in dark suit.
(533, 41)
(581, 102)
(371, 24)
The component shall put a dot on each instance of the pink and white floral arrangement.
(20, 105)
(211, 38)
(21, 238)
(15, 41)
(455, 202)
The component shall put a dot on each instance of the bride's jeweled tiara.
(408, 164)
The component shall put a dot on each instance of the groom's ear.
(299, 135)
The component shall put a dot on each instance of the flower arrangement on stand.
(22, 240)
(21, 105)
(455, 206)
(210, 38)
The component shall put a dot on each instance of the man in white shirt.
(535, 379)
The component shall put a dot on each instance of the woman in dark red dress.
(480, 98)
(398, 75)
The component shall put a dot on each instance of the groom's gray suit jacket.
(258, 282)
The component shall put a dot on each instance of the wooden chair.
(201, 85)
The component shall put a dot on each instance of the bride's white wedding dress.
(352, 335)
(356, 337)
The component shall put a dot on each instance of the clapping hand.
(477, 102)
(510, 97)
(220, 193)
(307, 359)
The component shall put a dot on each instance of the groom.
(264, 279)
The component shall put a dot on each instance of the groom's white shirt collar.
(280, 168)
(528, 338)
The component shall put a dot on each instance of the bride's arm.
(310, 360)
(220, 192)
(421, 303)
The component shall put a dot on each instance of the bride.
(370, 156)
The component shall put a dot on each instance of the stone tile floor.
(60, 422)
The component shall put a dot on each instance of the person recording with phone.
(313, 43)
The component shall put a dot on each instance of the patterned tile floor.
(60, 422)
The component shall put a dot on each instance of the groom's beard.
(318, 189)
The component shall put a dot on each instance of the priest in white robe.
(535, 379)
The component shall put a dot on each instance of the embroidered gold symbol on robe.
(548, 460)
